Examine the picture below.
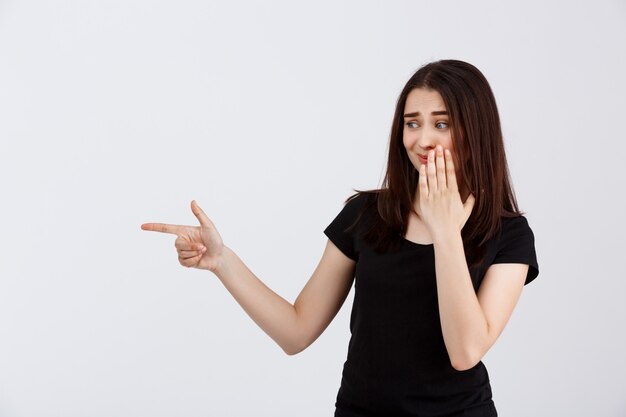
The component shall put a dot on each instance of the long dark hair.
(478, 144)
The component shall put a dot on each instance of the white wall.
(117, 113)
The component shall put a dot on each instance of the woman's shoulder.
(360, 206)
(362, 198)
(513, 223)
(516, 244)
(365, 194)
(514, 229)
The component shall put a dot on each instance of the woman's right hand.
(198, 246)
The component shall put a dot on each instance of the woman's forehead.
(424, 100)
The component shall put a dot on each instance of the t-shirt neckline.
(417, 244)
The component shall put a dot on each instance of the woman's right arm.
(293, 326)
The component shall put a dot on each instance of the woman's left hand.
(439, 200)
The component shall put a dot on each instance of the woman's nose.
(427, 141)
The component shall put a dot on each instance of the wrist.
(446, 236)
(222, 262)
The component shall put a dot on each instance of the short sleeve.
(517, 245)
(336, 230)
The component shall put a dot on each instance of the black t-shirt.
(397, 361)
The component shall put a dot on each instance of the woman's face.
(426, 125)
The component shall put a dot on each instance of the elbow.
(463, 366)
(299, 340)
(290, 351)
(468, 354)
(465, 361)
(293, 348)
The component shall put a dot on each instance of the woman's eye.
(441, 125)
(411, 124)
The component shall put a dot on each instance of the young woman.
(439, 256)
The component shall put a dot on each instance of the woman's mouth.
(423, 159)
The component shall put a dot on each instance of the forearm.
(275, 315)
(463, 322)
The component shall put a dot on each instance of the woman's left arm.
(472, 322)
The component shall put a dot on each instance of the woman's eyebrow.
(434, 113)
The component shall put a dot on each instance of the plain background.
(117, 113)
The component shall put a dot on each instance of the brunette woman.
(438, 255)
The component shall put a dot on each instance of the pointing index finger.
(162, 227)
